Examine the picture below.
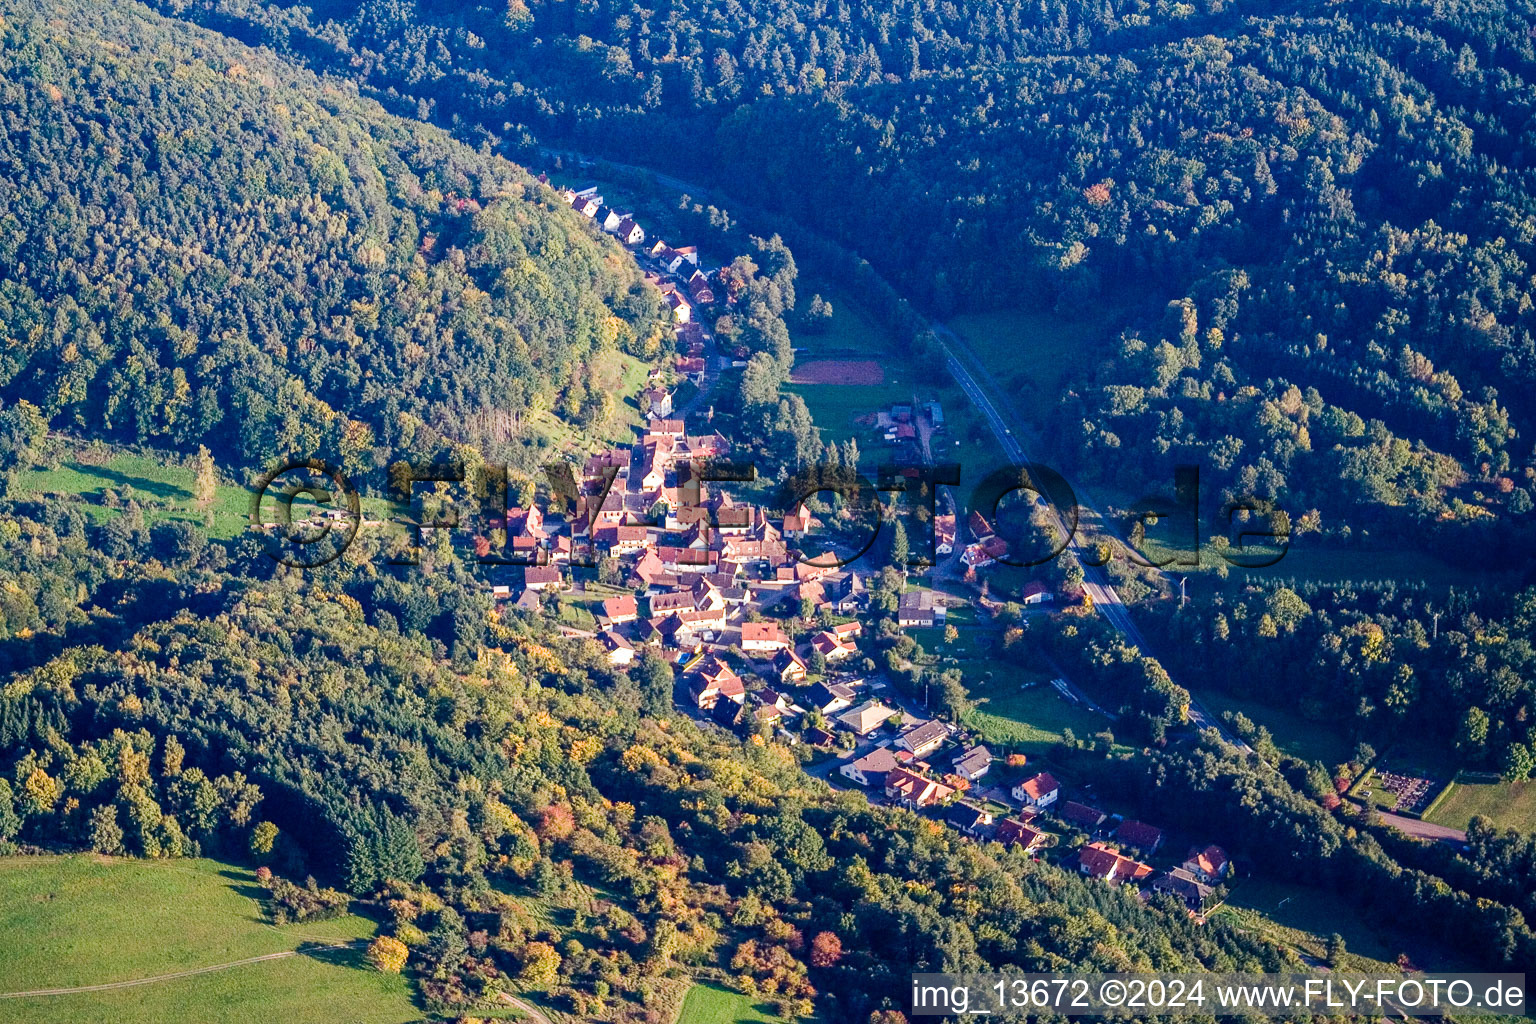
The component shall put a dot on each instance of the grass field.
(712, 1004)
(1303, 917)
(1030, 353)
(1294, 735)
(86, 920)
(1031, 720)
(162, 486)
(1507, 804)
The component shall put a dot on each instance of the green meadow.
(708, 1003)
(160, 485)
(1506, 804)
(79, 920)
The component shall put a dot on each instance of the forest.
(205, 245)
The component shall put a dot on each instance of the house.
(913, 790)
(587, 206)
(620, 651)
(1038, 791)
(978, 525)
(1209, 865)
(968, 818)
(1010, 831)
(673, 601)
(845, 590)
(682, 309)
(847, 630)
(527, 601)
(629, 232)
(866, 718)
(1098, 861)
(1182, 883)
(1084, 817)
(919, 608)
(973, 763)
(830, 698)
(923, 738)
(791, 668)
(763, 637)
(699, 288)
(656, 403)
(943, 534)
(542, 577)
(820, 738)
(872, 768)
(1036, 593)
(1139, 834)
(609, 219)
(619, 610)
(984, 552)
(712, 679)
(827, 644)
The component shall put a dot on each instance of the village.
(764, 641)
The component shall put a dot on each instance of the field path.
(180, 974)
(1423, 829)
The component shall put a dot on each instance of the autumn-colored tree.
(204, 482)
(262, 838)
(172, 753)
(556, 823)
(826, 950)
(388, 954)
(541, 965)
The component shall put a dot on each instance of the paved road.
(979, 385)
(110, 986)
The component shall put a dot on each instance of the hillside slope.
(201, 243)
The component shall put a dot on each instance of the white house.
(1038, 791)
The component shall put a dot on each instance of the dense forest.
(202, 244)
(1381, 662)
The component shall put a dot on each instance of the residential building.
(542, 577)
(866, 718)
(1209, 865)
(712, 679)
(920, 609)
(972, 763)
(1084, 817)
(1144, 837)
(923, 738)
(913, 790)
(1037, 791)
(1182, 883)
(620, 651)
(791, 668)
(1010, 831)
(968, 818)
(872, 768)
(1099, 861)
(763, 637)
(830, 698)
